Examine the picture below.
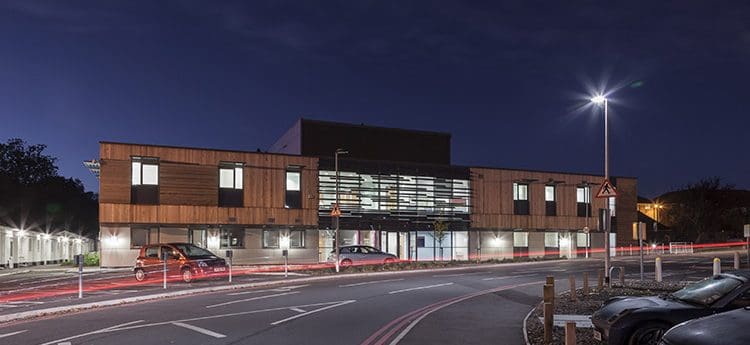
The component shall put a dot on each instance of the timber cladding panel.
(492, 199)
(188, 187)
(626, 215)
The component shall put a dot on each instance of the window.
(271, 239)
(582, 239)
(520, 198)
(583, 201)
(297, 239)
(612, 207)
(232, 238)
(549, 200)
(549, 193)
(520, 191)
(551, 240)
(293, 197)
(198, 237)
(144, 180)
(152, 252)
(230, 185)
(520, 239)
(143, 236)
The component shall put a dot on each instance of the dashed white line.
(275, 323)
(459, 274)
(370, 282)
(298, 310)
(12, 333)
(251, 299)
(199, 330)
(420, 288)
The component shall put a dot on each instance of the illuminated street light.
(602, 100)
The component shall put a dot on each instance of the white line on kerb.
(199, 330)
(420, 288)
(370, 282)
(13, 333)
(251, 299)
(311, 312)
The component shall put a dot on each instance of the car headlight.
(202, 264)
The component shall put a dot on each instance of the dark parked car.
(643, 320)
(720, 329)
(184, 259)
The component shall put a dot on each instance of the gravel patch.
(587, 305)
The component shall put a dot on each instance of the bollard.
(585, 283)
(622, 276)
(600, 281)
(573, 293)
(717, 266)
(548, 322)
(548, 293)
(657, 269)
(736, 260)
(570, 333)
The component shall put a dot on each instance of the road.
(478, 305)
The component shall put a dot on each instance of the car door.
(375, 255)
(173, 260)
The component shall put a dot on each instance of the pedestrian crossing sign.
(607, 190)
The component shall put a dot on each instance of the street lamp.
(336, 212)
(602, 100)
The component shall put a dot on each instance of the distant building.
(394, 185)
(29, 248)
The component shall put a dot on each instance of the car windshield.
(707, 291)
(192, 251)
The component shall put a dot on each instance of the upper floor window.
(549, 200)
(293, 195)
(583, 201)
(144, 177)
(520, 198)
(230, 185)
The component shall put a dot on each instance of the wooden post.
(600, 281)
(549, 309)
(550, 280)
(573, 294)
(570, 333)
(549, 293)
(622, 276)
(585, 283)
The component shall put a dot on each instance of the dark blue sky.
(509, 80)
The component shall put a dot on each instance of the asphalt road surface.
(478, 305)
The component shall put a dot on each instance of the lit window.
(230, 177)
(292, 181)
(271, 239)
(293, 195)
(583, 195)
(144, 171)
(551, 239)
(581, 239)
(520, 239)
(297, 239)
(549, 193)
(136, 173)
(520, 191)
(232, 238)
(612, 207)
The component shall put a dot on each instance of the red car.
(185, 259)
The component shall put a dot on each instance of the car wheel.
(648, 334)
(390, 260)
(140, 275)
(346, 263)
(187, 275)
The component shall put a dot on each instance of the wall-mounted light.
(284, 242)
(77, 240)
(564, 242)
(496, 241)
(21, 233)
(46, 236)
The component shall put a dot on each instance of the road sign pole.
(164, 259)
(640, 243)
(79, 261)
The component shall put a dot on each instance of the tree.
(707, 210)
(26, 164)
(440, 231)
(33, 196)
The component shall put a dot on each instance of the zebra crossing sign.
(607, 190)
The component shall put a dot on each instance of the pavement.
(483, 304)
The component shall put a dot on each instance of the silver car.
(361, 255)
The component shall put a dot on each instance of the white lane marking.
(420, 288)
(509, 277)
(251, 299)
(24, 302)
(459, 274)
(103, 330)
(9, 306)
(281, 289)
(200, 330)
(417, 320)
(370, 282)
(275, 323)
(65, 343)
(12, 333)
(298, 310)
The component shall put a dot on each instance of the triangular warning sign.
(607, 190)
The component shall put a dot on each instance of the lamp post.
(602, 100)
(336, 213)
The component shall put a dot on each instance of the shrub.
(91, 259)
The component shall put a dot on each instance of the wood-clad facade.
(189, 187)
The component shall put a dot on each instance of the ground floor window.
(198, 237)
(142, 236)
(520, 244)
(297, 239)
(270, 238)
(551, 244)
(232, 238)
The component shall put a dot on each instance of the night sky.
(508, 80)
